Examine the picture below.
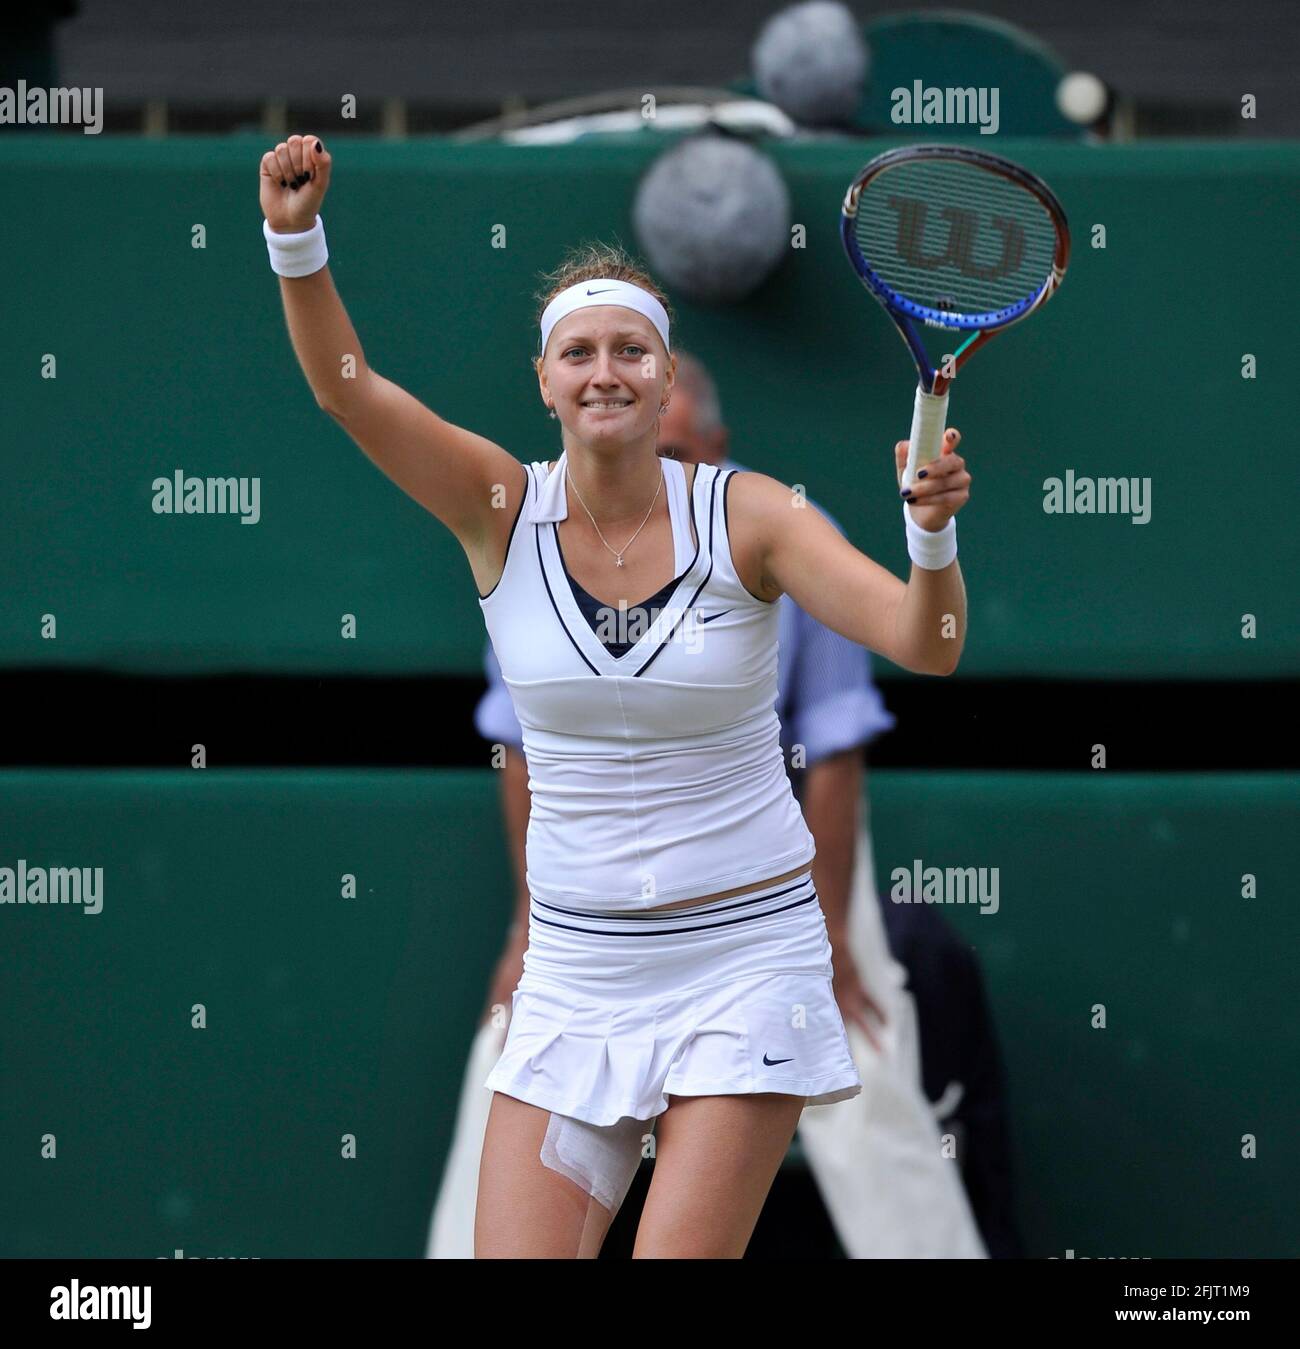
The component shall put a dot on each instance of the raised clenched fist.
(292, 183)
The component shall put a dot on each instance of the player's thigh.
(715, 1160)
(525, 1209)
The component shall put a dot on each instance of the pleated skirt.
(616, 1012)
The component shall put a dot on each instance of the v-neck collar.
(688, 584)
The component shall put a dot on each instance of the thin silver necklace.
(618, 554)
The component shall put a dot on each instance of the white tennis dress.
(657, 776)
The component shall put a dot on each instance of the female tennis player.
(677, 983)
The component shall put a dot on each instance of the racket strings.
(951, 236)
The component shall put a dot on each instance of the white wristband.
(297, 254)
(931, 549)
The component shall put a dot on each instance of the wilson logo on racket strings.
(963, 234)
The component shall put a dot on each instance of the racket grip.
(928, 415)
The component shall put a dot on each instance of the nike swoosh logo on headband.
(601, 291)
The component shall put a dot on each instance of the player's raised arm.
(920, 625)
(450, 471)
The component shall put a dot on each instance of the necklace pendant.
(618, 561)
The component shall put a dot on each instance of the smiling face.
(606, 372)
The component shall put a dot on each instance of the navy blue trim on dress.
(528, 477)
(591, 606)
(731, 473)
(664, 915)
(804, 888)
(692, 503)
(541, 563)
(595, 611)
(668, 931)
(682, 616)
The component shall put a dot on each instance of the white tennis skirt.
(615, 1012)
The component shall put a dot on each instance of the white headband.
(602, 290)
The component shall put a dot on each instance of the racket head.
(954, 239)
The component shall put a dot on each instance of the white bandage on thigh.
(602, 1158)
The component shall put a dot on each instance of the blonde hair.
(587, 261)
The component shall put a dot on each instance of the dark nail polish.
(319, 147)
(922, 473)
(283, 183)
(905, 494)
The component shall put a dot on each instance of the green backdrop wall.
(174, 357)
(329, 1016)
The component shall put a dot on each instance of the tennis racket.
(957, 240)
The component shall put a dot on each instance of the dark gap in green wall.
(99, 719)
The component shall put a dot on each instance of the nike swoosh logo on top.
(604, 290)
(711, 617)
(771, 1063)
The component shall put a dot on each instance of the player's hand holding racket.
(941, 487)
(293, 180)
(962, 242)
